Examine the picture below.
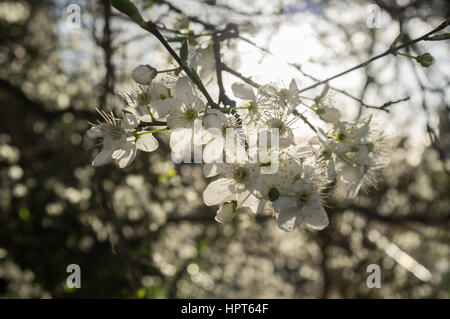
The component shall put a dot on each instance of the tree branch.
(442, 26)
(153, 29)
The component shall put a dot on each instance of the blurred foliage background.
(143, 232)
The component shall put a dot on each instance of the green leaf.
(128, 8)
(440, 37)
(184, 52)
(396, 41)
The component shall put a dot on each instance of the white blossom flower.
(222, 134)
(278, 175)
(325, 152)
(281, 118)
(235, 184)
(303, 201)
(119, 143)
(324, 107)
(150, 102)
(185, 109)
(360, 170)
(254, 103)
(285, 97)
(356, 152)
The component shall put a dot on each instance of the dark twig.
(223, 98)
(382, 107)
(207, 25)
(108, 52)
(247, 80)
(442, 26)
(151, 27)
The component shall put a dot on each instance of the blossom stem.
(345, 159)
(153, 131)
(306, 97)
(168, 70)
(405, 54)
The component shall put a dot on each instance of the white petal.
(202, 136)
(267, 90)
(316, 218)
(250, 200)
(102, 158)
(285, 142)
(180, 138)
(193, 64)
(210, 169)
(289, 218)
(353, 190)
(160, 108)
(293, 89)
(183, 89)
(95, 131)
(215, 118)
(158, 91)
(145, 118)
(363, 131)
(330, 115)
(174, 104)
(284, 202)
(147, 143)
(242, 195)
(129, 121)
(197, 103)
(243, 91)
(350, 174)
(219, 191)
(299, 186)
(125, 155)
(225, 213)
(213, 151)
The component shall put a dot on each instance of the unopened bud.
(425, 60)
(144, 74)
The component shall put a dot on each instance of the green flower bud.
(425, 60)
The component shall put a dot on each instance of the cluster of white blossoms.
(250, 150)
